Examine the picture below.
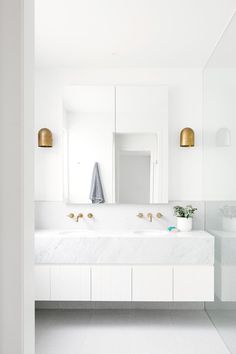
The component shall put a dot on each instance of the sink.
(152, 233)
(112, 233)
(123, 247)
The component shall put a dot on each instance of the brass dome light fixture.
(187, 137)
(45, 138)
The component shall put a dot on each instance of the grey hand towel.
(96, 191)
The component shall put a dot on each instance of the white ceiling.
(128, 33)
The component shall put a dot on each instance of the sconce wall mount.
(187, 137)
(45, 138)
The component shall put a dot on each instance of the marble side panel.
(225, 246)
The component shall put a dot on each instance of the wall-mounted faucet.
(150, 216)
(79, 216)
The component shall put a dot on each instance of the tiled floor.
(225, 322)
(126, 332)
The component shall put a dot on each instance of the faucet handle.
(140, 215)
(159, 215)
(71, 216)
(90, 215)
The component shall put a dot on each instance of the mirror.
(135, 167)
(115, 144)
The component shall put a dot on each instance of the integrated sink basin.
(123, 247)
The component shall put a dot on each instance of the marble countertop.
(123, 247)
(225, 246)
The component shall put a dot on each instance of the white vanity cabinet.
(124, 283)
(193, 283)
(111, 283)
(70, 282)
(42, 276)
(152, 283)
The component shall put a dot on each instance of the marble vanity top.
(225, 246)
(123, 247)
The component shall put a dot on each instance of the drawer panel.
(42, 283)
(152, 283)
(111, 283)
(194, 283)
(70, 283)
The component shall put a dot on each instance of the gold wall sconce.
(187, 137)
(45, 138)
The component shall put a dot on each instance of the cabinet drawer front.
(193, 283)
(152, 283)
(111, 283)
(42, 283)
(70, 283)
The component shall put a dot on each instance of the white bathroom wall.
(53, 215)
(16, 178)
(185, 109)
(220, 112)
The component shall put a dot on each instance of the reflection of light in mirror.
(229, 218)
(223, 137)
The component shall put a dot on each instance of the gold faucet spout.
(149, 216)
(80, 215)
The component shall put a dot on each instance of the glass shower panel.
(219, 175)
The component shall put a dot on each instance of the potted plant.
(184, 217)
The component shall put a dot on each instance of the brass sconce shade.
(45, 138)
(187, 137)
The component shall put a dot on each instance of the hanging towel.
(96, 191)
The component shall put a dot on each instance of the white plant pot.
(184, 224)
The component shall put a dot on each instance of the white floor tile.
(225, 322)
(126, 332)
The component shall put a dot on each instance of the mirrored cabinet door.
(123, 131)
(141, 109)
(135, 167)
(141, 144)
(89, 121)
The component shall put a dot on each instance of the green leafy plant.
(186, 212)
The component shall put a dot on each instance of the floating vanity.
(124, 266)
